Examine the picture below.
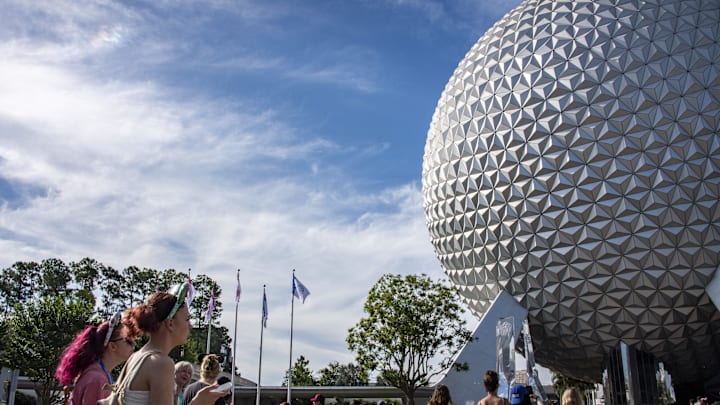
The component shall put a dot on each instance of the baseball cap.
(317, 397)
(517, 394)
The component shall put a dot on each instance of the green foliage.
(86, 272)
(36, 335)
(302, 376)
(18, 283)
(45, 305)
(55, 276)
(412, 331)
(204, 285)
(336, 374)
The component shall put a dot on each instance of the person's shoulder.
(91, 374)
(197, 385)
(153, 369)
(160, 362)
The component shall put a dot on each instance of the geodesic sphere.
(572, 161)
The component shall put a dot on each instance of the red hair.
(146, 318)
(84, 350)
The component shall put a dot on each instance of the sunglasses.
(129, 341)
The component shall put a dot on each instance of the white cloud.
(138, 178)
(139, 173)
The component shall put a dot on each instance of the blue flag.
(264, 311)
(299, 290)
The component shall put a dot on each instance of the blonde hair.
(571, 396)
(182, 365)
(210, 367)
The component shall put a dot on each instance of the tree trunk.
(409, 395)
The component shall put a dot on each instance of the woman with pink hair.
(90, 357)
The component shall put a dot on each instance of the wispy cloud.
(136, 177)
(110, 149)
(461, 15)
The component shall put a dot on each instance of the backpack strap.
(126, 377)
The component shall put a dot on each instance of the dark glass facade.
(633, 377)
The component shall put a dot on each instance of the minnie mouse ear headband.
(113, 322)
(180, 292)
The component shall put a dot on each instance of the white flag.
(191, 292)
(211, 307)
(264, 311)
(238, 290)
(299, 290)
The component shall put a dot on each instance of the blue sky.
(217, 135)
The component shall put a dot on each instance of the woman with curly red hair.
(91, 356)
(165, 319)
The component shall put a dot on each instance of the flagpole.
(262, 326)
(211, 308)
(292, 310)
(207, 348)
(234, 353)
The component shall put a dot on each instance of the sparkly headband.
(179, 292)
(113, 322)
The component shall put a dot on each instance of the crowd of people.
(150, 375)
(521, 395)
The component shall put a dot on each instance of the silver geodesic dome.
(572, 161)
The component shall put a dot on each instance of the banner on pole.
(211, 308)
(299, 290)
(533, 379)
(505, 347)
(264, 311)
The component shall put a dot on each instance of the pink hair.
(84, 350)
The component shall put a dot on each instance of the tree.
(204, 287)
(86, 272)
(301, 374)
(26, 286)
(36, 334)
(140, 284)
(115, 296)
(18, 283)
(412, 332)
(342, 375)
(55, 277)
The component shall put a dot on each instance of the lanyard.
(109, 377)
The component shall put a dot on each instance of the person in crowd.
(572, 396)
(165, 319)
(227, 398)
(318, 399)
(534, 399)
(89, 359)
(491, 380)
(441, 396)
(209, 371)
(183, 375)
(519, 395)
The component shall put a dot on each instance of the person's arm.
(207, 396)
(161, 380)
